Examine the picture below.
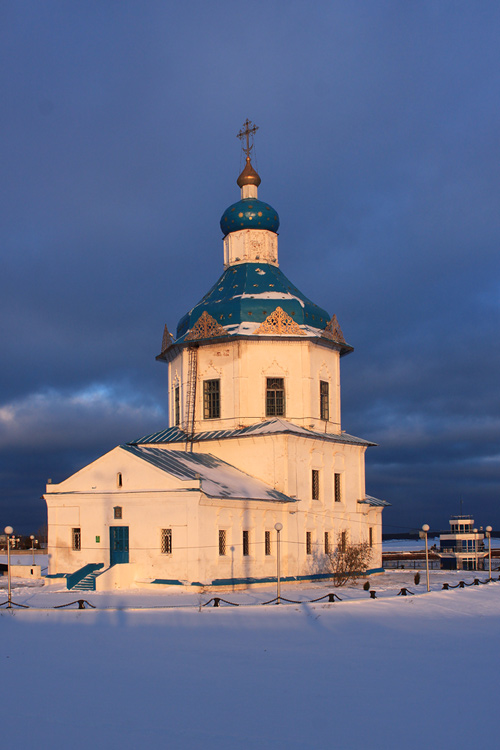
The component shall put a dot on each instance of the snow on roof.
(272, 426)
(374, 502)
(217, 478)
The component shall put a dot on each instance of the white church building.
(254, 440)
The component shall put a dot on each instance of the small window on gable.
(324, 400)
(117, 512)
(119, 479)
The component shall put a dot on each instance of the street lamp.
(488, 534)
(9, 530)
(32, 537)
(278, 526)
(425, 529)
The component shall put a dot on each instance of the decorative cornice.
(333, 331)
(279, 322)
(205, 327)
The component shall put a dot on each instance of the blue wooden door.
(118, 544)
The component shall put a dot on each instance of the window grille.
(275, 397)
(267, 542)
(222, 542)
(324, 400)
(370, 536)
(338, 489)
(177, 406)
(166, 541)
(117, 511)
(211, 399)
(76, 539)
(308, 543)
(327, 542)
(343, 541)
(246, 543)
(315, 484)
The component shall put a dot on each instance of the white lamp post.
(425, 529)
(9, 530)
(488, 534)
(33, 547)
(278, 526)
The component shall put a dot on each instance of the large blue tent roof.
(249, 293)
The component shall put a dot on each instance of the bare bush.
(348, 560)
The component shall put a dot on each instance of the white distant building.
(462, 547)
(255, 439)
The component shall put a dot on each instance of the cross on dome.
(248, 129)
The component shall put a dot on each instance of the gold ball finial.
(249, 176)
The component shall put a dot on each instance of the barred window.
(327, 543)
(275, 397)
(211, 399)
(222, 542)
(343, 541)
(117, 511)
(338, 489)
(315, 484)
(267, 542)
(370, 536)
(76, 539)
(324, 399)
(308, 543)
(177, 406)
(246, 543)
(166, 541)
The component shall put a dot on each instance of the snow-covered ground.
(394, 672)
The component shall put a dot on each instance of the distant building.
(254, 439)
(462, 548)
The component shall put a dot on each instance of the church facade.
(254, 441)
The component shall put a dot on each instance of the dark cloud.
(379, 148)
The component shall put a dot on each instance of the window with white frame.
(166, 541)
(177, 406)
(275, 397)
(324, 400)
(211, 399)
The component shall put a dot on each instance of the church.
(254, 446)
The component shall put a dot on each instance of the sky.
(378, 146)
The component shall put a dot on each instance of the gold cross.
(248, 129)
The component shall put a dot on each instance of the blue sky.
(378, 146)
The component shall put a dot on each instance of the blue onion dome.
(246, 294)
(249, 213)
